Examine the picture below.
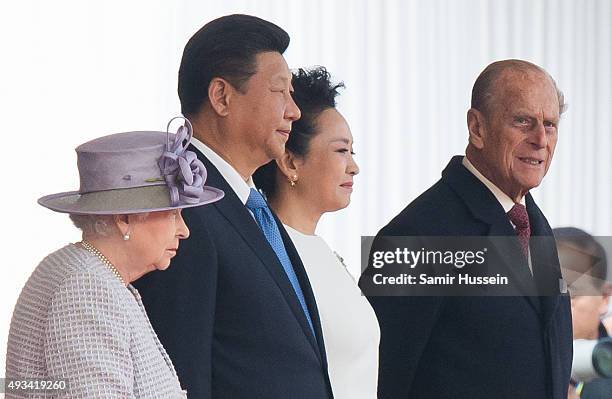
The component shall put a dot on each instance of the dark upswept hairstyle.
(484, 91)
(587, 244)
(313, 93)
(225, 47)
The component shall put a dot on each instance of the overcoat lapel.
(545, 260)
(484, 206)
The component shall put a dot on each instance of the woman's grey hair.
(98, 225)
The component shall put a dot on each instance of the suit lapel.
(484, 206)
(547, 274)
(302, 276)
(243, 222)
(511, 255)
(545, 260)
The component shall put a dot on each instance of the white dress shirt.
(503, 198)
(505, 201)
(230, 174)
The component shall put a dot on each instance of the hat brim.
(123, 201)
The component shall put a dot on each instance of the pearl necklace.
(87, 245)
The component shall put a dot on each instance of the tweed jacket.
(74, 320)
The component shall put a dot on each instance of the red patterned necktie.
(519, 217)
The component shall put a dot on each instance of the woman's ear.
(123, 225)
(289, 165)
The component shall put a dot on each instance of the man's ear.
(289, 165)
(477, 127)
(219, 93)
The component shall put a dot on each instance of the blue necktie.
(268, 226)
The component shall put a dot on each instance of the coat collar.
(484, 207)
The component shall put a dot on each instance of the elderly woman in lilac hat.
(79, 328)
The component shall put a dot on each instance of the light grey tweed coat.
(74, 320)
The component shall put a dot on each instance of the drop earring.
(292, 180)
(126, 236)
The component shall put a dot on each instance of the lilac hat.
(136, 172)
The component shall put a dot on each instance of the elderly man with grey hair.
(466, 347)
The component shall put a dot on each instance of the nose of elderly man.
(538, 138)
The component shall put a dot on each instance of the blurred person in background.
(78, 318)
(584, 267)
(314, 176)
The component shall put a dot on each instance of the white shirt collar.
(232, 177)
(505, 201)
(503, 198)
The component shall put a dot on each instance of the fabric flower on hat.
(183, 172)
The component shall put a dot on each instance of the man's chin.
(529, 184)
(275, 153)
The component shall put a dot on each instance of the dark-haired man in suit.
(486, 347)
(235, 311)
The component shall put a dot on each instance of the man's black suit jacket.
(475, 347)
(227, 314)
